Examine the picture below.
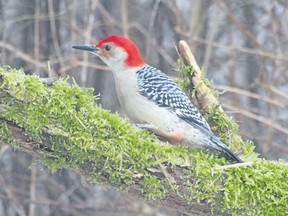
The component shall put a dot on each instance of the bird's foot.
(49, 80)
(146, 126)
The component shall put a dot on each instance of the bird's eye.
(107, 47)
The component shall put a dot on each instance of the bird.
(149, 97)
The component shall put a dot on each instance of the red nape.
(134, 56)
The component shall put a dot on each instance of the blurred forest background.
(241, 44)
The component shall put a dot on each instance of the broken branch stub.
(205, 97)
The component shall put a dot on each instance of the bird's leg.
(49, 80)
(146, 126)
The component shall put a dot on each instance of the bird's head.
(116, 51)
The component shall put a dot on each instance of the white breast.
(137, 107)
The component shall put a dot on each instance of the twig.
(251, 95)
(204, 94)
(54, 32)
(33, 183)
(259, 118)
(124, 18)
(234, 165)
(250, 51)
(23, 55)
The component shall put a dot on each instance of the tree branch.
(204, 95)
(208, 102)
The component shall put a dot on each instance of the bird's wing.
(158, 87)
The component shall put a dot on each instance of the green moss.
(153, 188)
(107, 150)
(185, 82)
(203, 182)
(6, 135)
(257, 194)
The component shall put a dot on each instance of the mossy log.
(62, 126)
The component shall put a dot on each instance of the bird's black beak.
(89, 48)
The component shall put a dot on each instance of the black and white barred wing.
(158, 87)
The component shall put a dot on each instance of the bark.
(172, 201)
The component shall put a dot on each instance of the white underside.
(143, 111)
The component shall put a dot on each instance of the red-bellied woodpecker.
(148, 96)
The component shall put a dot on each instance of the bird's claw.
(146, 126)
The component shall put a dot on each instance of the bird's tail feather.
(217, 144)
